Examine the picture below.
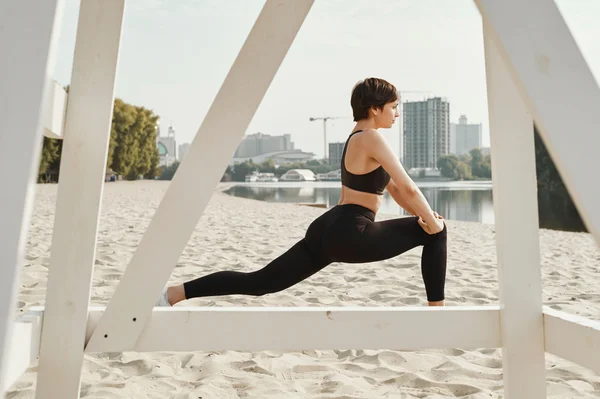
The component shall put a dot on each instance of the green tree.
(145, 131)
(49, 158)
(132, 150)
(267, 166)
(556, 209)
(50, 151)
(227, 174)
(448, 165)
(455, 167)
(547, 174)
(120, 149)
(169, 171)
(240, 170)
(154, 169)
(463, 171)
(480, 164)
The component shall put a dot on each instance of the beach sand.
(243, 235)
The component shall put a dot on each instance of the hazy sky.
(175, 55)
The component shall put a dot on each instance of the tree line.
(239, 171)
(474, 165)
(132, 150)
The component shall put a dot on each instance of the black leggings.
(345, 233)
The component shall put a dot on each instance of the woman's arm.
(392, 188)
(376, 146)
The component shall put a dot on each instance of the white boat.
(267, 177)
(251, 177)
(260, 177)
(334, 175)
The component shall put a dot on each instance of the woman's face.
(385, 117)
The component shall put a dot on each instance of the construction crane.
(325, 119)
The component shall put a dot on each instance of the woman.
(348, 232)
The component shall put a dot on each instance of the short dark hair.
(371, 92)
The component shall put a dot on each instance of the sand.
(243, 235)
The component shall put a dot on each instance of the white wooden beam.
(83, 164)
(54, 111)
(24, 347)
(573, 338)
(559, 90)
(303, 328)
(28, 38)
(192, 187)
(517, 240)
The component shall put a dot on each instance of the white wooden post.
(517, 240)
(193, 185)
(27, 46)
(83, 164)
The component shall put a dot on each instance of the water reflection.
(465, 202)
(474, 205)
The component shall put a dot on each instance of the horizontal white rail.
(573, 338)
(570, 337)
(285, 328)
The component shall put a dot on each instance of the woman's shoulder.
(368, 135)
(370, 141)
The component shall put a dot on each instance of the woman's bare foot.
(176, 294)
(437, 303)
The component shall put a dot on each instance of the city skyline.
(171, 60)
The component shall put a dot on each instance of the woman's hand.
(439, 225)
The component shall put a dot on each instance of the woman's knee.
(439, 236)
(444, 233)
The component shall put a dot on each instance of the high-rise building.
(426, 132)
(335, 153)
(464, 136)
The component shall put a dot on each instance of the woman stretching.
(348, 232)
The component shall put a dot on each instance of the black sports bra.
(373, 182)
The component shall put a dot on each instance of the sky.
(175, 55)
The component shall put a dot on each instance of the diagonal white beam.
(28, 38)
(517, 231)
(573, 338)
(191, 189)
(304, 328)
(558, 88)
(79, 198)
